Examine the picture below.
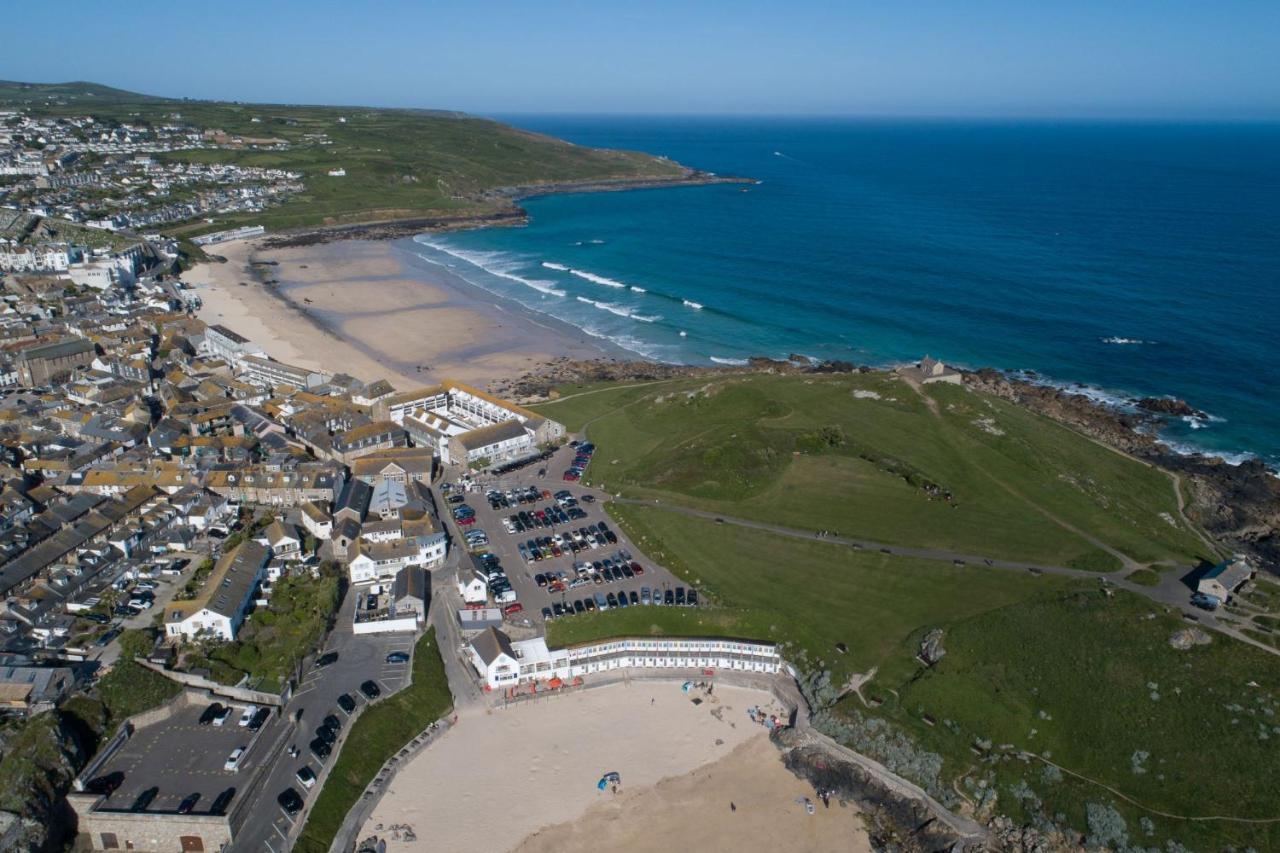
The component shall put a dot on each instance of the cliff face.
(40, 758)
(1239, 505)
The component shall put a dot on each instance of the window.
(109, 841)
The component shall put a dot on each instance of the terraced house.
(219, 610)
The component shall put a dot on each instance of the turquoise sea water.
(1128, 259)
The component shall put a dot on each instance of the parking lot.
(606, 566)
(181, 758)
(359, 658)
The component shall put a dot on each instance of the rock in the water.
(1169, 406)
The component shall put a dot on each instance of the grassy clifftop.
(1065, 706)
(400, 164)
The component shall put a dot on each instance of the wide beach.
(694, 776)
(355, 307)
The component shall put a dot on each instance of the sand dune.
(500, 776)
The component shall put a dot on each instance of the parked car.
(512, 609)
(371, 690)
(398, 657)
(290, 802)
(247, 715)
(210, 713)
(260, 717)
(326, 659)
(306, 776)
(346, 703)
(1205, 602)
(331, 721)
(320, 748)
(144, 799)
(188, 803)
(105, 785)
(221, 802)
(232, 764)
(222, 716)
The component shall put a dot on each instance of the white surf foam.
(735, 362)
(635, 289)
(606, 306)
(1118, 341)
(553, 266)
(597, 279)
(696, 306)
(498, 264)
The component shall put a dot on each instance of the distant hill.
(402, 165)
(25, 94)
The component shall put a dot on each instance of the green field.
(375, 736)
(808, 453)
(1034, 663)
(399, 163)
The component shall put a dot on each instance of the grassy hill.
(400, 164)
(866, 456)
(1058, 704)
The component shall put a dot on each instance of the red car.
(512, 609)
(637, 568)
(470, 519)
(571, 477)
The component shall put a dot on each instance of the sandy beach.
(514, 778)
(355, 307)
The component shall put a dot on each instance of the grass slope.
(1091, 683)
(822, 453)
(399, 163)
(375, 736)
(1146, 735)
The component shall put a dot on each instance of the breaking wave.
(597, 279)
(735, 362)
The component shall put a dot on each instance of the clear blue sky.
(1043, 58)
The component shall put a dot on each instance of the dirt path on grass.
(1164, 595)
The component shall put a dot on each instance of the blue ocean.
(1117, 259)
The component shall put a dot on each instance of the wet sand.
(357, 307)
(510, 777)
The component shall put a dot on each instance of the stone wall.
(148, 832)
(239, 694)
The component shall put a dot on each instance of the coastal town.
(308, 544)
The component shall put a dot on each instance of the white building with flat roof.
(503, 663)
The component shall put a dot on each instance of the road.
(266, 827)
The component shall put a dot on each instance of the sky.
(1118, 59)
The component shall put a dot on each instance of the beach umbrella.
(555, 683)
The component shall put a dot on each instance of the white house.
(220, 609)
(1225, 578)
(371, 561)
(284, 542)
(316, 521)
(494, 659)
(474, 591)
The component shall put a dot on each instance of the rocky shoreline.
(1238, 505)
(508, 215)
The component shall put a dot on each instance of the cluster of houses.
(87, 172)
(130, 429)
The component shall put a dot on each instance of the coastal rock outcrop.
(1169, 406)
(1237, 504)
(895, 820)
